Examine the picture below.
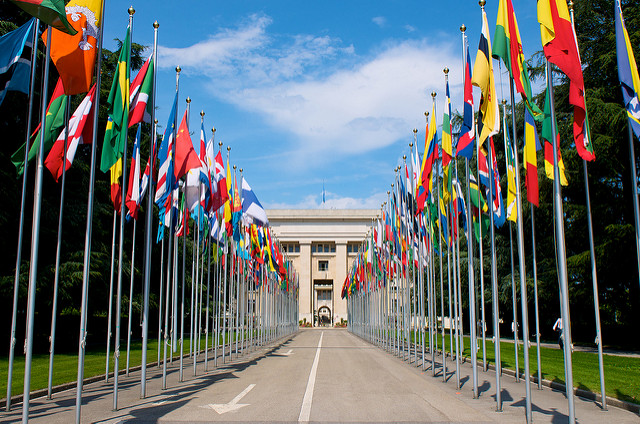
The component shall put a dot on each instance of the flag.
(530, 159)
(236, 210)
(75, 55)
(468, 132)
(116, 190)
(447, 149)
(15, 59)
(54, 122)
(430, 152)
(51, 12)
(139, 94)
(115, 136)
(560, 48)
(251, 206)
(80, 132)
(228, 219)
(165, 156)
(497, 202)
(512, 210)
(133, 188)
(478, 203)
(186, 157)
(489, 119)
(221, 193)
(548, 147)
(627, 72)
(507, 46)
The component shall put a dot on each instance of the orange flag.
(75, 55)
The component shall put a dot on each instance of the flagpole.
(161, 300)
(562, 259)
(54, 308)
(225, 271)
(16, 280)
(133, 253)
(185, 223)
(206, 323)
(35, 238)
(535, 294)
(110, 307)
(514, 299)
(148, 230)
(470, 256)
(87, 240)
(116, 356)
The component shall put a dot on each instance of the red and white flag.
(80, 132)
(139, 94)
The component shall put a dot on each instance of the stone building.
(322, 243)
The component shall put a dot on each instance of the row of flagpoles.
(395, 287)
(251, 293)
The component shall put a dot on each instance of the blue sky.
(306, 92)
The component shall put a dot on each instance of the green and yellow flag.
(115, 136)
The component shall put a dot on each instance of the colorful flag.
(80, 132)
(507, 46)
(489, 119)
(512, 210)
(51, 12)
(447, 148)
(430, 152)
(140, 92)
(75, 55)
(530, 159)
(54, 123)
(115, 173)
(221, 193)
(560, 48)
(165, 156)
(186, 157)
(228, 218)
(251, 206)
(483, 170)
(133, 188)
(548, 147)
(15, 59)
(115, 136)
(477, 199)
(627, 72)
(465, 145)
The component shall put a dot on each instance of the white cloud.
(328, 99)
(333, 202)
(410, 28)
(381, 21)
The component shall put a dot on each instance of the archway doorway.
(325, 316)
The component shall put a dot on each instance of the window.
(323, 265)
(352, 248)
(291, 247)
(323, 248)
(324, 295)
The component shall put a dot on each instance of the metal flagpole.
(16, 280)
(521, 262)
(226, 273)
(116, 355)
(594, 273)
(35, 238)
(133, 255)
(54, 308)
(110, 307)
(161, 289)
(494, 283)
(562, 258)
(470, 256)
(206, 320)
(514, 299)
(148, 231)
(87, 240)
(185, 223)
(193, 288)
(535, 295)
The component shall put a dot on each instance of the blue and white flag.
(15, 59)
(251, 207)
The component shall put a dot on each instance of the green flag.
(115, 136)
(51, 12)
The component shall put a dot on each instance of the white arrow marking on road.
(288, 353)
(222, 408)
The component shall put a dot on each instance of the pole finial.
(228, 148)
(463, 28)
(433, 94)
(178, 69)
(131, 10)
(213, 130)
(219, 143)
(188, 100)
(446, 71)
(504, 102)
(571, 5)
(234, 167)
(415, 131)
(482, 3)
(240, 170)
(156, 25)
(202, 113)
(155, 121)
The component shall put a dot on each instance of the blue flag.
(15, 59)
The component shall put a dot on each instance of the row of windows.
(323, 248)
(324, 295)
(353, 248)
(291, 247)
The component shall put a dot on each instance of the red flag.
(186, 156)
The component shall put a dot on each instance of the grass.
(621, 374)
(65, 365)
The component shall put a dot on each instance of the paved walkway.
(318, 375)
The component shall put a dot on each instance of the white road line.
(305, 412)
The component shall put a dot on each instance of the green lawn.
(621, 374)
(65, 365)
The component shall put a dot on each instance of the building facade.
(322, 243)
